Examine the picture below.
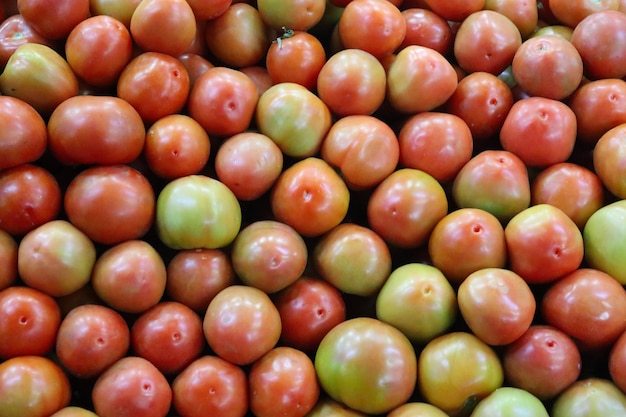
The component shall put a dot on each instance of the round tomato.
(53, 19)
(426, 28)
(591, 396)
(617, 362)
(16, 31)
(523, 14)
(455, 10)
(510, 402)
(8, 260)
(608, 160)
(23, 133)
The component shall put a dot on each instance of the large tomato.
(608, 160)
(23, 133)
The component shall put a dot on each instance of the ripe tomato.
(91, 338)
(572, 13)
(23, 133)
(455, 10)
(15, 31)
(53, 19)
(523, 14)
(8, 260)
(608, 160)
(426, 28)
(617, 361)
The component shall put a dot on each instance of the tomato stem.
(287, 33)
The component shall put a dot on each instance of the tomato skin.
(289, 14)
(283, 382)
(298, 59)
(15, 31)
(588, 397)
(23, 133)
(91, 338)
(118, 195)
(421, 409)
(510, 402)
(74, 411)
(121, 10)
(29, 197)
(53, 19)
(571, 14)
(617, 359)
(426, 28)
(32, 386)
(524, 15)
(608, 160)
(455, 10)
(8, 260)
(602, 250)
(87, 129)
(196, 65)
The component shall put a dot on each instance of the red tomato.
(155, 84)
(351, 82)
(30, 322)
(231, 97)
(132, 386)
(364, 148)
(547, 66)
(467, 240)
(29, 197)
(292, 14)
(439, 144)
(130, 276)
(15, 31)
(571, 13)
(525, 14)
(238, 37)
(166, 26)
(211, 386)
(374, 26)
(486, 41)
(119, 196)
(169, 335)
(310, 197)
(406, 206)
(196, 65)
(98, 49)
(426, 28)
(23, 133)
(455, 10)
(295, 57)
(32, 386)
(175, 146)
(53, 19)
(90, 339)
(283, 382)
(617, 362)
(86, 129)
(241, 324)
(308, 309)
(259, 76)
(8, 260)
(543, 361)
(589, 305)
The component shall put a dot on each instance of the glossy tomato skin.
(31, 320)
(591, 396)
(32, 386)
(608, 160)
(283, 382)
(510, 402)
(118, 195)
(355, 357)
(131, 386)
(422, 409)
(8, 260)
(91, 338)
(571, 14)
(543, 361)
(309, 308)
(617, 359)
(74, 411)
(23, 133)
(289, 14)
(524, 15)
(455, 10)
(56, 19)
(426, 28)
(89, 129)
(29, 197)
(121, 10)
(297, 58)
(15, 31)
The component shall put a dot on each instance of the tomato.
(249, 164)
(523, 14)
(439, 144)
(482, 100)
(74, 411)
(131, 386)
(130, 276)
(169, 335)
(23, 133)
(308, 309)
(195, 65)
(15, 31)
(406, 206)
(118, 195)
(561, 31)
(155, 84)
(310, 197)
(589, 305)
(31, 321)
(38, 75)
(460, 360)
(416, 409)
(418, 300)
(295, 57)
(352, 82)
(364, 148)
(241, 324)
(574, 189)
(223, 101)
(419, 79)
(238, 37)
(374, 26)
(195, 212)
(55, 19)
(426, 28)
(326, 406)
(366, 364)
(486, 41)
(510, 402)
(8, 260)
(353, 258)
(98, 49)
(590, 397)
(268, 255)
(91, 338)
(617, 359)
(293, 14)
(29, 197)
(572, 13)
(210, 386)
(608, 160)
(283, 382)
(89, 129)
(121, 10)
(32, 386)
(166, 26)
(293, 117)
(455, 10)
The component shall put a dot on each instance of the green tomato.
(510, 402)
(591, 397)
(197, 212)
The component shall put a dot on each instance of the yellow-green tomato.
(510, 402)
(418, 300)
(417, 409)
(591, 397)
(197, 212)
(367, 365)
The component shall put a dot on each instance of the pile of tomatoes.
(306, 208)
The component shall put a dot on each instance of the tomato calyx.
(287, 33)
